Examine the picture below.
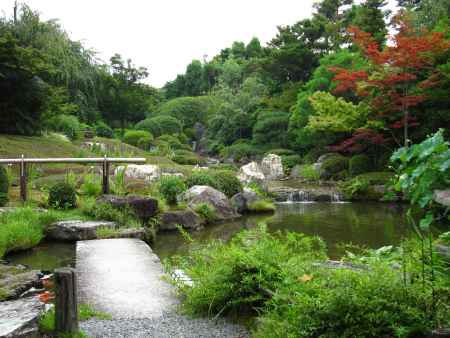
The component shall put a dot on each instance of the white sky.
(165, 35)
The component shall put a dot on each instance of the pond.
(367, 224)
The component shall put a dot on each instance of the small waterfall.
(299, 196)
(336, 197)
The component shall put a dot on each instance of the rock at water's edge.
(19, 318)
(188, 219)
(251, 172)
(144, 207)
(76, 230)
(204, 194)
(14, 280)
(272, 167)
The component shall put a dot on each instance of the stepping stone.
(19, 318)
(122, 277)
(77, 230)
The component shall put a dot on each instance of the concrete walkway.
(123, 278)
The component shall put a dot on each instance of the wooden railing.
(105, 161)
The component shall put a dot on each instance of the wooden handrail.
(74, 160)
(104, 161)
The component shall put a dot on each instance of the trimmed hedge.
(359, 164)
(133, 136)
(222, 180)
(333, 166)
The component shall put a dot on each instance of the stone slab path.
(123, 278)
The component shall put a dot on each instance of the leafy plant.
(103, 130)
(226, 182)
(206, 211)
(133, 136)
(62, 196)
(241, 275)
(91, 185)
(170, 187)
(199, 177)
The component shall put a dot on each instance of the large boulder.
(144, 207)
(242, 200)
(76, 230)
(251, 172)
(14, 280)
(188, 219)
(147, 172)
(20, 317)
(272, 167)
(199, 194)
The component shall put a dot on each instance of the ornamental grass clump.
(241, 275)
(23, 229)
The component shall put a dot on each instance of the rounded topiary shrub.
(4, 186)
(332, 166)
(103, 130)
(133, 136)
(145, 142)
(359, 164)
(170, 187)
(226, 182)
(62, 196)
(200, 177)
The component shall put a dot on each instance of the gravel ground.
(168, 326)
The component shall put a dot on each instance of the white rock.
(251, 172)
(146, 172)
(272, 167)
(19, 318)
(98, 145)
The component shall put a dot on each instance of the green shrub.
(313, 155)
(91, 185)
(333, 165)
(240, 275)
(186, 157)
(200, 177)
(325, 302)
(222, 180)
(4, 186)
(145, 142)
(289, 162)
(281, 152)
(67, 124)
(359, 164)
(123, 217)
(226, 182)
(62, 196)
(133, 136)
(308, 172)
(170, 187)
(103, 130)
(206, 211)
(239, 150)
(261, 206)
(160, 125)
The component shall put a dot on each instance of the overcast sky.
(165, 35)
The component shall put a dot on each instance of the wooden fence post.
(23, 179)
(66, 308)
(105, 176)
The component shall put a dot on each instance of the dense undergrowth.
(283, 281)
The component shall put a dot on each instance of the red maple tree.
(399, 73)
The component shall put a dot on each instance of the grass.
(308, 172)
(262, 206)
(105, 232)
(24, 228)
(85, 312)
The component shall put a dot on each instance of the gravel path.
(170, 325)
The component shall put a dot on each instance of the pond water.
(368, 224)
